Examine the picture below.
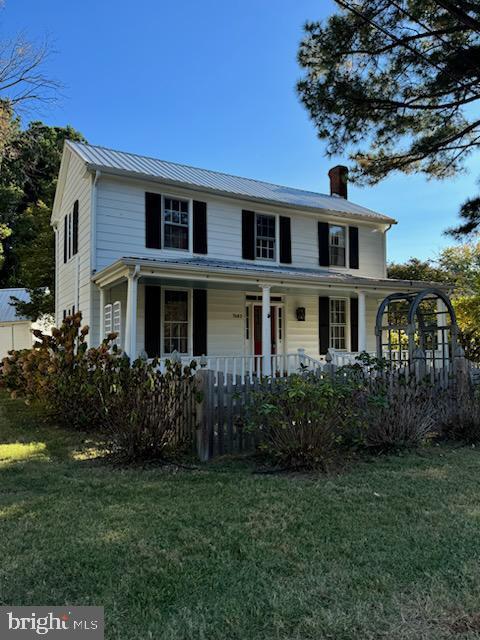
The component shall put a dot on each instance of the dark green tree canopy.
(28, 179)
(398, 83)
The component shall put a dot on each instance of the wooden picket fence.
(223, 399)
(220, 413)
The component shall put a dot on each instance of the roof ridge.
(191, 166)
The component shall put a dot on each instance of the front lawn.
(390, 549)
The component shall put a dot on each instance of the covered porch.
(236, 319)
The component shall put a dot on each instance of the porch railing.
(242, 368)
(237, 370)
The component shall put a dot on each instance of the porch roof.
(209, 269)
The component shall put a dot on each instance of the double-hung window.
(265, 237)
(336, 241)
(70, 233)
(175, 221)
(338, 323)
(175, 323)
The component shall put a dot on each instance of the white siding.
(15, 335)
(371, 305)
(73, 287)
(370, 240)
(121, 228)
(225, 322)
(302, 335)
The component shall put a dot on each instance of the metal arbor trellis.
(417, 325)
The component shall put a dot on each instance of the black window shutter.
(199, 227)
(153, 220)
(65, 239)
(323, 245)
(75, 229)
(199, 322)
(353, 248)
(248, 235)
(152, 321)
(285, 240)
(354, 324)
(323, 324)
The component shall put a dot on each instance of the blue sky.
(212, 84)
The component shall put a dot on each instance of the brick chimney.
(339, 181)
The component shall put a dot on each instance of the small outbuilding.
(15, 331)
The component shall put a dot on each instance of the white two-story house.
(179, 259)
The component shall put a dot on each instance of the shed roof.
(272, 273)
(121, 162)
(7, 310)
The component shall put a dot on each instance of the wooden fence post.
(204, 379)
(460, 368)
(329, 367)
(419, 364)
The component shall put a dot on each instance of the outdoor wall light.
(301, 314)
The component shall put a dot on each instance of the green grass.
(390, 549)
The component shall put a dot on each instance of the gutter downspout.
(93, 253)
(389, 226)
(55, 231)
(93, 223)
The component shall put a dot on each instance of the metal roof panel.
(109, 159)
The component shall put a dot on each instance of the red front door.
(257, 330)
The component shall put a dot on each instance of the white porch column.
(266, 331)
(131, 315)
(102, 314)
(362, 322)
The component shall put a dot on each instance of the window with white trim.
(112, 320)
(117, 321)
(175, 223)
(107, 320)
(70, 231)
(338, 323)
(265, 236)
(175, 321)
(337, 243)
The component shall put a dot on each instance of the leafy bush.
(460, 415)
(303, 421)
(399, 415)
(62, 374)
(142, 412)
(306, 421)
(149, 415)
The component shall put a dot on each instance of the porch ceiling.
(226, 274)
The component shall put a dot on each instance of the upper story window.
(175, 220)
(338, 323)
(70, 233)
(337, 243)
(265, 237)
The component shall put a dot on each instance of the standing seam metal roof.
(109, 159)
(7, 310)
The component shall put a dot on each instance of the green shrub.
(306, 421)
(141, 412)
(149, 415)
(303, 421)
(62, 374)
(460, 415)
